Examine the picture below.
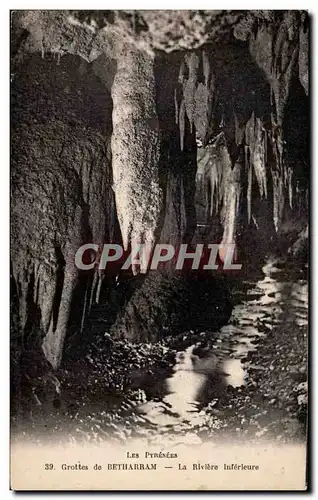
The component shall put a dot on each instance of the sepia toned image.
(159, 249)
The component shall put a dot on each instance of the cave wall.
(61, 187)
(110, 113)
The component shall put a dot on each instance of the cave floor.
(248, 381)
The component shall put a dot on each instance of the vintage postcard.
(159, 249)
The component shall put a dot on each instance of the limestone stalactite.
(136, 149)
(178, 158)
(303, 58)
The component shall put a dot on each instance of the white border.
(4, 195)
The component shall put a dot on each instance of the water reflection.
(202, 371)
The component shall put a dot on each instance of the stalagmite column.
(136, 149)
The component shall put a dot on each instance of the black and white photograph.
(159, 227)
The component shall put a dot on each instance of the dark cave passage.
(121, 134)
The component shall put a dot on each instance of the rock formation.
(112, 111)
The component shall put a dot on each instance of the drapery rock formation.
(61, 188)
(112, 111)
